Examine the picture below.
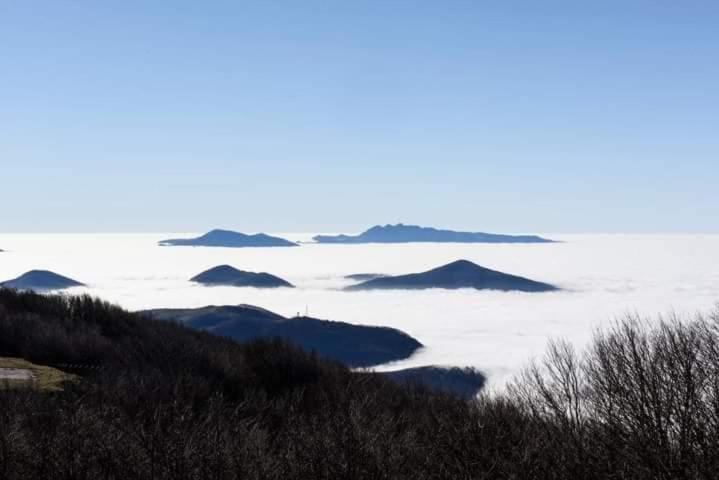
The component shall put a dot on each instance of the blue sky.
(551, 116)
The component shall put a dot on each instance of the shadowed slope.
(466, 382)
(353, 345)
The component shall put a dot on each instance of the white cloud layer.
(604, 277)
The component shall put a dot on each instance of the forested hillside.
(158, 401)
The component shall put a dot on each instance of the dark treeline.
(166, 402)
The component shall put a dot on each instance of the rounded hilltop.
(41, 280)
(230, 276)
(454, 275)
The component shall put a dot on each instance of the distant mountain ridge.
(364, 276)
(227, 275)
(458, 274)
(230, 239)
(401, 233)
(353, 345)
(41, 280)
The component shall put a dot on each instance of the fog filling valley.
(603, 277)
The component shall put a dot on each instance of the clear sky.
(510, 116)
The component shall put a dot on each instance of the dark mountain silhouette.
(227, 275)
(465, 382)
(353, 345)
(361, 277)
(459, 274)
(41, 280)
(227, 238)
(412, 233)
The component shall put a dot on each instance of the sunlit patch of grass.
(44, 378)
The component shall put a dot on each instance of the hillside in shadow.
(353, 345)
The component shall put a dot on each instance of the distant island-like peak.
(41, 280)
(458, 274)
(227, 275)
(228, 238)
(401, 233)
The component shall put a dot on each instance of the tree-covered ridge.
(166, 402)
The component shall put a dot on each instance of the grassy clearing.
(45, 378)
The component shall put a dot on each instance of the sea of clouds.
(603, 278)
